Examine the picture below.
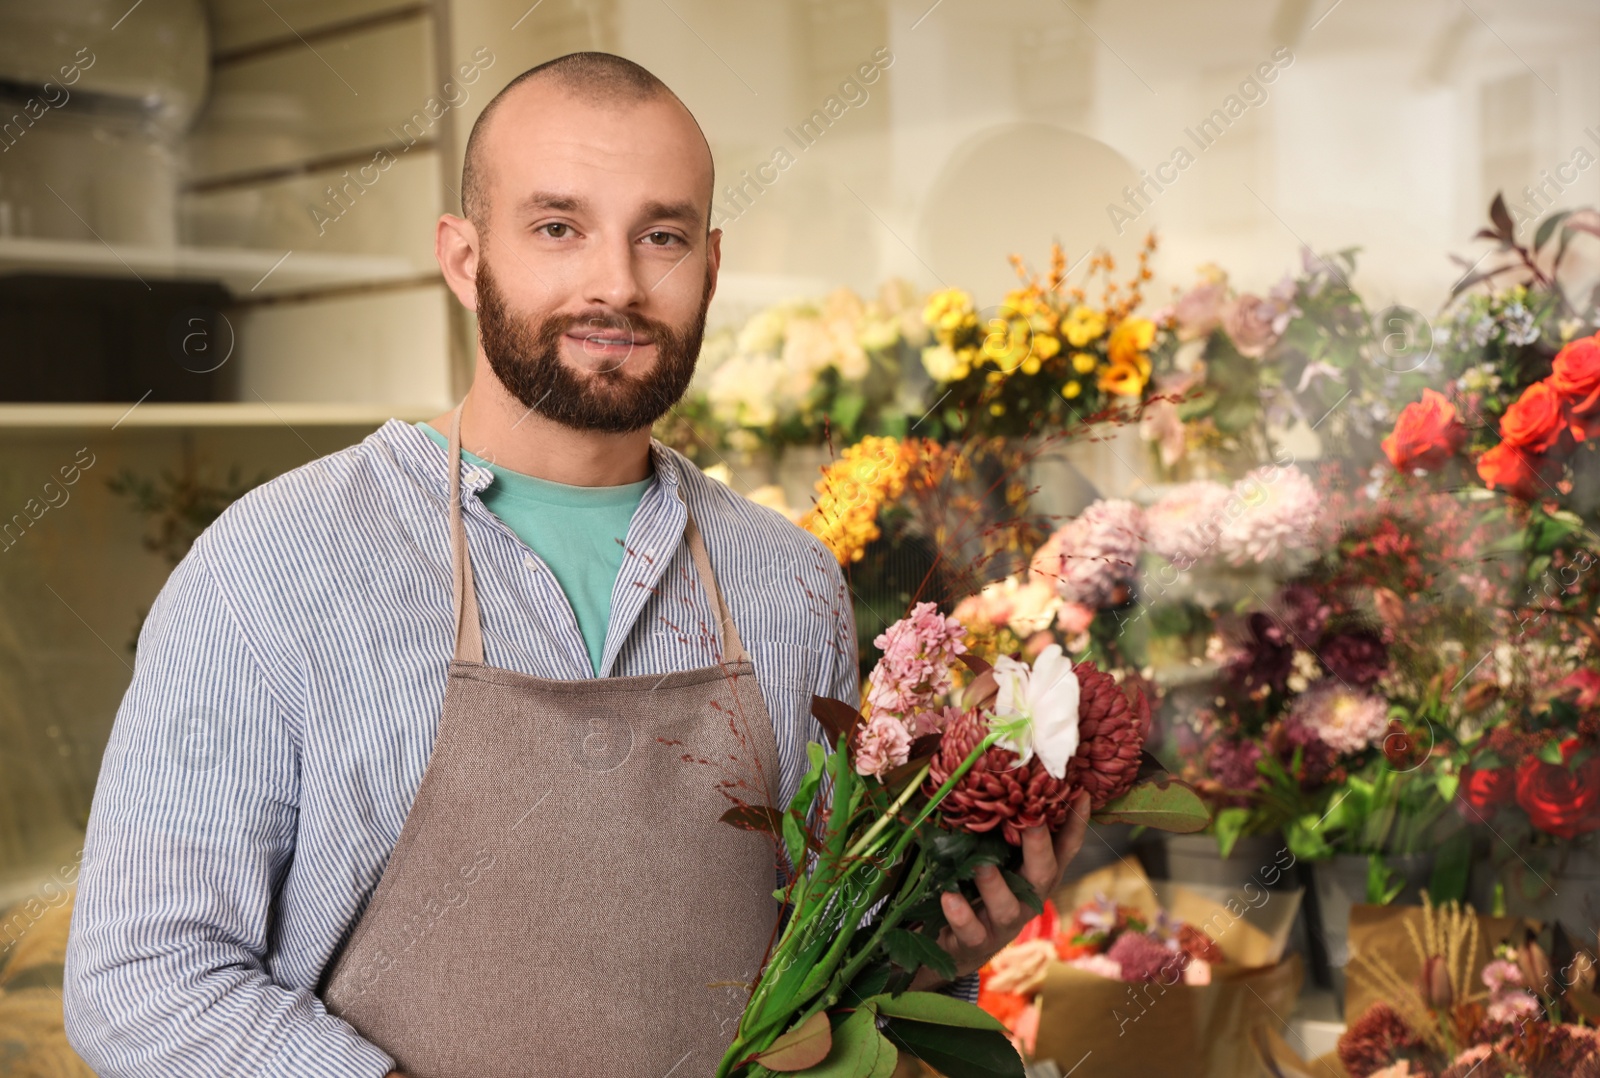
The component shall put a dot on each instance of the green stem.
(883, 821)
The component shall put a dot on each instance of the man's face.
(594, 267)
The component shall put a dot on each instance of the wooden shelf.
(243, 271)
(244, 414)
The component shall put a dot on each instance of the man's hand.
(972, 938)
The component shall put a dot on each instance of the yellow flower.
(1031, 365)
(1083, 325)
(853, 490)
(1071, 389)
(997, 408)
(1131, 337)
(1046, 345)
(1124, 379)
(1083, 362)
(949, 311)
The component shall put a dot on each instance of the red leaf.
(799, 1049)
(1501, 217)
(755, 818)
(836, 716)
(975, 664)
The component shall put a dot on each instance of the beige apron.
(563, 899)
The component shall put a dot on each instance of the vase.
(1341, 882)
(1196, 859)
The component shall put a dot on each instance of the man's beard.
(527, 360)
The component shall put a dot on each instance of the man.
(421, 762)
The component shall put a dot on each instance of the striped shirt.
(284, 702)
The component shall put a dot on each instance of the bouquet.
(936, 780)
(1514, 1022)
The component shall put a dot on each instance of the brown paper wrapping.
(1095, 1027)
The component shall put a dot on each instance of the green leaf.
(800, 1048)
(1379, 890)
(1166, 804)
(1550, 753)
(1230, 824)
(908, 950)
(970, 1053)
(857, 1049)
(1547, 227)
(1449, 877)
(937, 1008)
(1447, 785)
(794, 838)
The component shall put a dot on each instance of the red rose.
(1526, 474)
(1536, 421)
(1559, 799)
(1427, 434)
(1489, 787)
(1575, 375)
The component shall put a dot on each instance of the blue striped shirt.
(284, 703)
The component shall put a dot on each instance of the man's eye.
(661, 239)
(555, 224)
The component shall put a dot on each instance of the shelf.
(243, 271)
(123, 416)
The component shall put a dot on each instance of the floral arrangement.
(853, 491)
(801, 370)
(1234, 369)
(1046, 357)
(1103, 937)
(1545, 768)
(1509, 1024)
(936, 779)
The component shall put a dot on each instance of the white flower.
(1039, 705)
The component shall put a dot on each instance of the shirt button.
(533, 566)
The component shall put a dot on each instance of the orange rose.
(1523, 473)
(1575, 375)
(1536, 421)
(1427, 434)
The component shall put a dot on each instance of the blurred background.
(216, 224)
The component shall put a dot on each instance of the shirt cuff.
(963, 988)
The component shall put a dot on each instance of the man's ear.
(713, 258)
(455, 245)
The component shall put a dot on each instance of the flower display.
(1184, 525)
(1347, 722)
(853, 489)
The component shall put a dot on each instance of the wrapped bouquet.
(954, 759)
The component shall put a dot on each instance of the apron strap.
(732, 647)
(469, 626)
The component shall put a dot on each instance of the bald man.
(421, 767)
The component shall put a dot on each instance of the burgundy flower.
(1377, 1039)
(1357, 657)
(1233, 764)
(1147, 961)
(995, 792)
(1112, 727)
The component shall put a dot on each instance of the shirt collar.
(424, 458)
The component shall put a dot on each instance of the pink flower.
(1251, 325)
(1093, 559)
(882, 745)
(931, 720)
(915, 667)
(1074, 618)
(1500, 973)
(1199, 310)
(1272, 511)
(1184, 524)
(1344, 720)
(1511, 1004)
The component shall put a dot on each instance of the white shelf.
(245, 272)
(245, 414)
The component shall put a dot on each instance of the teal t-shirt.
(578, 531)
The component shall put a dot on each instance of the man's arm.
(191, 829)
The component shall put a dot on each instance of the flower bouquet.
(937, 780)
(1437, 1020)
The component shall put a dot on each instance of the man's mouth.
(609, 339)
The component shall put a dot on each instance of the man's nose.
(613, 278)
